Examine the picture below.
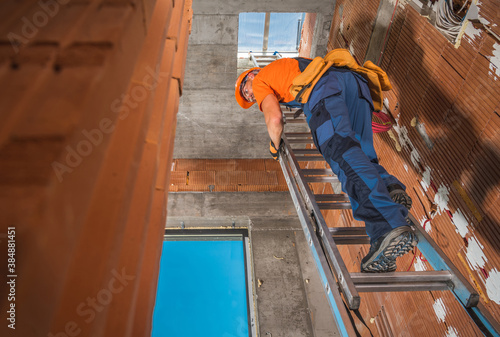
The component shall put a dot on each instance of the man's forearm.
(274, 120)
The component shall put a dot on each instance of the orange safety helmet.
(237, 93)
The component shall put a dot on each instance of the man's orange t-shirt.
(276, 79)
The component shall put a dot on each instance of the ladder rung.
(349, 235)
(297, 134)
(292, 115)
(311, 172)
(265, 58)
(435, 286)
(352, 240)
(310, 158)
(306, 151)
(347, 230)
(331, 197)
(319, 179)
(402, 277)
(301, 141)
(402, 281)
(335, 205)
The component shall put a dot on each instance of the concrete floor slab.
(281, 301)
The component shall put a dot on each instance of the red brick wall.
(89, 95)
(454, 94)
(227, 175)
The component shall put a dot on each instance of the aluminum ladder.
(323, 241)
(264, 58)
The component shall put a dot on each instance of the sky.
(282, 32)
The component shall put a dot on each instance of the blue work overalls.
(339, 114)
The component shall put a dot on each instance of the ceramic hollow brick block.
(162, 181)
(194, 188)
(180, 55)
(162, 82)
(149, 7)
(262, 178)
(221, 164)
(58, 115)
(135, 230)
(106, 23)
(272, 165)
(91, 25)
(22, 19)
(250, 165)
(226, 188)
(168, 138)
(230, 178)
(254, 188)
(278, 188)
(281, 178)
(42, 54)
(174, 28)
(57, 28)
(28, 161)
(164, 174)
(179, 178)
(202, 178)
(149, 271)
(192, 165)
(23, 85)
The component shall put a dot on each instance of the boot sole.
(401, 197)
(397, 243)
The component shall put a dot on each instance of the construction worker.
(339, 113)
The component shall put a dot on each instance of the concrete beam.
(211, 66)
(234, 7)
(261, 204)
(382, 24)
(214, 29)
(321, 33)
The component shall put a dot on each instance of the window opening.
(269, 32)
(204, 287)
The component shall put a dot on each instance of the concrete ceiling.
(210, 124)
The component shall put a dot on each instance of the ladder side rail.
(335, 258)
(254, 60)
(438, 260)
(462, 289)
(484, 320)
(330, 287)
